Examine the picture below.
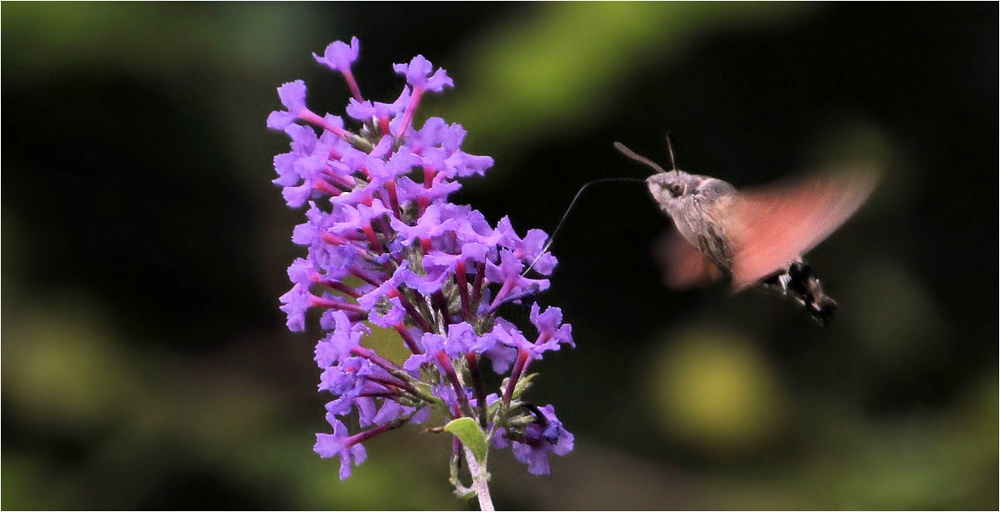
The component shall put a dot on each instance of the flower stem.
(449, 371)
(477, 382)
(480, 481)
(515, 373)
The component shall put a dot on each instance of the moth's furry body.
(698, 211)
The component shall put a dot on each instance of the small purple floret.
(342, 445)
(418, 74)
(542, 439)
(339, 56)
(293, 97)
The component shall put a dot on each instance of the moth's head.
(667, 187)
(663, 185)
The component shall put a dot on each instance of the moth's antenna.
(670, 147)
(570, 207)
(638, 158)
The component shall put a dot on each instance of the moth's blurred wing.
(771, 227)
(682, 265)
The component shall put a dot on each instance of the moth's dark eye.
(675, 189)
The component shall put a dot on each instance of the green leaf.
(468, 431)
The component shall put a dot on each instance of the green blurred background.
(146, 364)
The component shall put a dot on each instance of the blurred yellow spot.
(61, 367)
(713, 391)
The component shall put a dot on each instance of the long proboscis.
(570, 207)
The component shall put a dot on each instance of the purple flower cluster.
(387, 249)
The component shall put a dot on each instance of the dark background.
(146, 364)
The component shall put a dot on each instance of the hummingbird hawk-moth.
(754, 237)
